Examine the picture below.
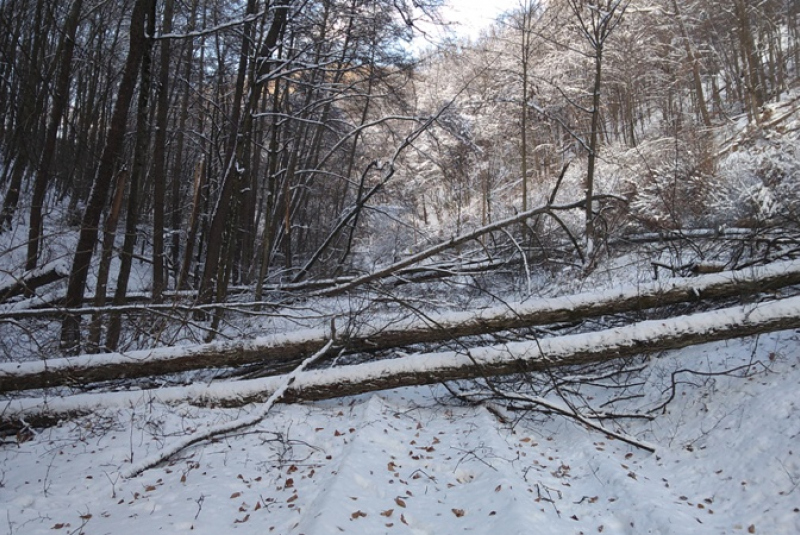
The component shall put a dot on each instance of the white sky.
(474, 15)
(468, 18)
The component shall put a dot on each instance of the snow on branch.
(431, 368)
(220, 429)
(291, 348)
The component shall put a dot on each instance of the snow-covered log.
(285, 351)
(33, 279)
(429, 368)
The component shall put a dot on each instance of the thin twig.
(137, 469)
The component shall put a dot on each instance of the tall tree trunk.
(241, 130)
(695, 63)
(70, 328)
(137, 179)
(60, 98)
(159, 155)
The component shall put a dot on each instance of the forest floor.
(415, 460)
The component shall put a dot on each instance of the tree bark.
(60, 98)
(70, 329)
(432, 368)
(33, 279)
(284, 352)
(159, 155)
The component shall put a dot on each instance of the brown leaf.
(358, 514)
(403, 519)
(400, 502)
(751, 528)
(289, 483)
(391, 466)
(387, 513)
(60, 525)
(498, 488)
(235, 495)
(242, 521)
(150, 488)
(87, 516)
(458, 512)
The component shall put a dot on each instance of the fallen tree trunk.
(286, 350)
(430, 368)
(182, 301)
(34, 279)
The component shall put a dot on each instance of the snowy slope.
(414, 461)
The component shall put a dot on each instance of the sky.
(468, 18)
(474, 15)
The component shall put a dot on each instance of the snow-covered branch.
(431, 368)
(283, 350)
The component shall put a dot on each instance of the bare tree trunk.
(138, 172)
(109, 235)
(695, 63)
(159, 155)
(70, 329)
(60, 98)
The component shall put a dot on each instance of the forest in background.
(211, 159)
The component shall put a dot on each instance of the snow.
(407, 461)
(510, 310)
(600, 344)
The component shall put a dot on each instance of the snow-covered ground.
(415, 461)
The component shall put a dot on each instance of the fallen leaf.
(235, 495)
(60, 526)
(403, 519)
(498, 488)
(87, 516)
(358, 514)
(458, 512)
(400, 502)
(751, 528)
(387, 513)
(289, 483)
(242, 521)
(150, 488)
